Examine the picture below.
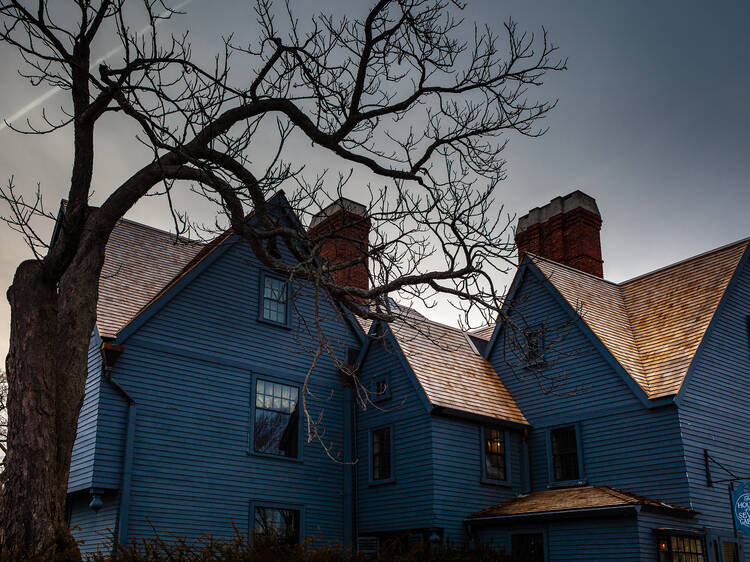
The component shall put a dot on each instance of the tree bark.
(46, 389)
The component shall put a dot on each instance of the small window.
(275, 523)
(381, 468)
(673, 548)
(564, 450)
(533, 339)
(528, 547)
(276, 423)
(274, 306)
(494, 454)
(381, 388)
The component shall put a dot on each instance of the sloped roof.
(654, 323)
(567, 499)
(452, 374)
(138, 262)
(484, 333)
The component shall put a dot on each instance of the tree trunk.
(46, 367)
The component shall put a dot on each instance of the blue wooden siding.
(713, 406)
(189, 369)
(457, 474)
(110, 437)
(625, 445)
(406, 503)
(575, 540)
(82, 460)
(95, 530)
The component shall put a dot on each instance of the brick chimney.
(347, 227)
(565, 230)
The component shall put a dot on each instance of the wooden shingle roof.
(654, 323)
(569, 499)
(484, 333)
(138, 262)
(451, 373)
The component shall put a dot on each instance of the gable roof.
(451, 372)
(572, 499)
(484, 333)
(652, 324)
(138, 262)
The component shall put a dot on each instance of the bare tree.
(398, 94)
(3, 419)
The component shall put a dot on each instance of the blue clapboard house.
(597, 421)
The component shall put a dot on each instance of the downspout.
(526, 463)
(110, 352)
(348, 472)
(348, 373)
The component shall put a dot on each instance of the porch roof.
(579, 499)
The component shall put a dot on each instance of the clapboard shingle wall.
(164, 439)
(713, 407)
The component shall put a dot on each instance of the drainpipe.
(110, 352)
(526, 463)
(348, 469)
(347, 373)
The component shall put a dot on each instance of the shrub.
(239, 549)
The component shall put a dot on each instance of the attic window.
(381, 388)
(274, 300)
(533, 346)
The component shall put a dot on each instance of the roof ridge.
(184, 239)
(424, 318)
(686, 260)
(571, 268)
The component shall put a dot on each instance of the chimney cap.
(557, 206)
(341, 204)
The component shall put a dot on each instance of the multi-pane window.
(528, 547)
(274, 300)
(494, 454)
(277, 523)
(673, 548)
(276, 423)
(381, 454)
(564, 446)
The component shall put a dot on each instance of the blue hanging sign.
(741, 506)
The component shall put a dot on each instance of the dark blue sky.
(652, 121)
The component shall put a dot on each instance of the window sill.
(284, 325)
(251, 453)
(391, 480)
(492, 482)
(568, 483)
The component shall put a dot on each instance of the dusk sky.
(652, 121)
